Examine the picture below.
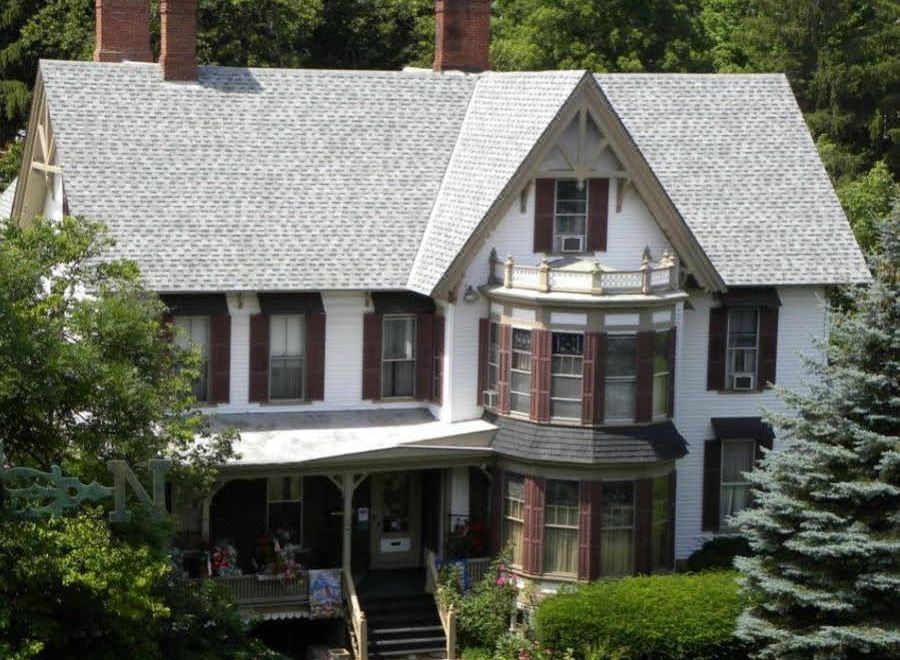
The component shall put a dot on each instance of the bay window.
(286, 343)
(398, 369)
(660, 527)
(737, 458)
(621, 374)
(514, 517)
(743, 349)
(194, 334)
(570, 216)
(561, 527)
(520, 372)
(566, 368)
(661, 374)
(617, 529)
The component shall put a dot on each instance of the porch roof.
(324, 438)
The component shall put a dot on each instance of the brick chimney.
(178, 37)
(123, 31)
(462, 35)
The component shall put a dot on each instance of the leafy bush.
(477, 653)
(719, 552)
(659, 617)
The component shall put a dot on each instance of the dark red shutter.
(644, 379)
(589, 378)
(437, 385)
(424, 354)
(544, 202)
(670, 355)
(589, 493)
(315, 357)
(712, 484)
(768, 345)
(673, 492)
(715, 364)
(259, 358)
(372, 356)
(503, 378)
(533, 531)
(598, 213)
(540, 375)
(497, 501)
(219, 358)
(643, 512)
(484, 347)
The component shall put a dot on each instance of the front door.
(396, 519)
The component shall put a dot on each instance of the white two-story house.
(545, 305)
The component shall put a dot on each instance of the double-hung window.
(660, 529)
(285, 514)
(286, 344)
(737, 458)
(621, 376)
(514, 517)
(493, 371)
(398, 370)
(617, 529)
(570, 216)
(661, 374)
(566, 367)
(520, 372)
(561, 527)
(194, 334)
(743, 349)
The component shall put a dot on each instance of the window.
(514, 517)
(285, 514)
(286, 344)
(520, 372)
(570, 216)
(737, 457)
(661, 374)
(398, 371)
(621, 370)
(660, 539)
(493, 357)
(565, 385)
(617, 529)
(743, 349)
(561, 527)
(195, 335)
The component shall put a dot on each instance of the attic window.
(570, 216)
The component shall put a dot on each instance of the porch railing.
(356, 618)
(447, 615)
(477, 568)
(251, 590)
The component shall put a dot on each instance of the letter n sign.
(124, 477)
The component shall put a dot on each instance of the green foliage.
(663, 616)
(719, 552)
(10, 160)
(826, 530)
(476, 653)
(868, 201)
(87, 374)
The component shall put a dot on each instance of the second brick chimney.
(178, 39)
(462, 35)
(123, 31)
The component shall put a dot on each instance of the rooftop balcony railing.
(584, 276)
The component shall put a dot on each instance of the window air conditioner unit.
(743, 382)
(489, 398)
(571, 243)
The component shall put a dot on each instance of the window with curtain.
(621, 374)
(743, 349)
(561, 527)
(286, 348)
(617, 529)
(493, 356)
(285, 509)
(520, 372)
(737, 458)
(566, 366)
(514, 517)
(660, 539)
(194, 334)
(570, 217)
(661, 374)
(398, 368)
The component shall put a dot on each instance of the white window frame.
(620, 379)
(203, 381)
(743, 483)
(530, 372)
(508, 515)
(302, 356)
(387, 318)
(557, 235)
(667, 373)
(604, 508)
(732, 351)
(560, 525)
(579, 377)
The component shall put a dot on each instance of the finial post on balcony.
(646, 270)
(596, 279)
(544, 276)
(507, 272)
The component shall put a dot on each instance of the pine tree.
(826, 577)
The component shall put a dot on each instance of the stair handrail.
(358, 624)
(446, 615)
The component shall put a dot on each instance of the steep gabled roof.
(6, 199)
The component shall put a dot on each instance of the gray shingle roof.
(6, 199)
(572, 444)
(266, 179)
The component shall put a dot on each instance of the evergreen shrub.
(719, 553)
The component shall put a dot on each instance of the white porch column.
(459, 494)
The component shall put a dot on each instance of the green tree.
(826, 530)
(867, 201)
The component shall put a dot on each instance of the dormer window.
(570, 216)
(286, 357)
(398, 371)
(743, 347)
